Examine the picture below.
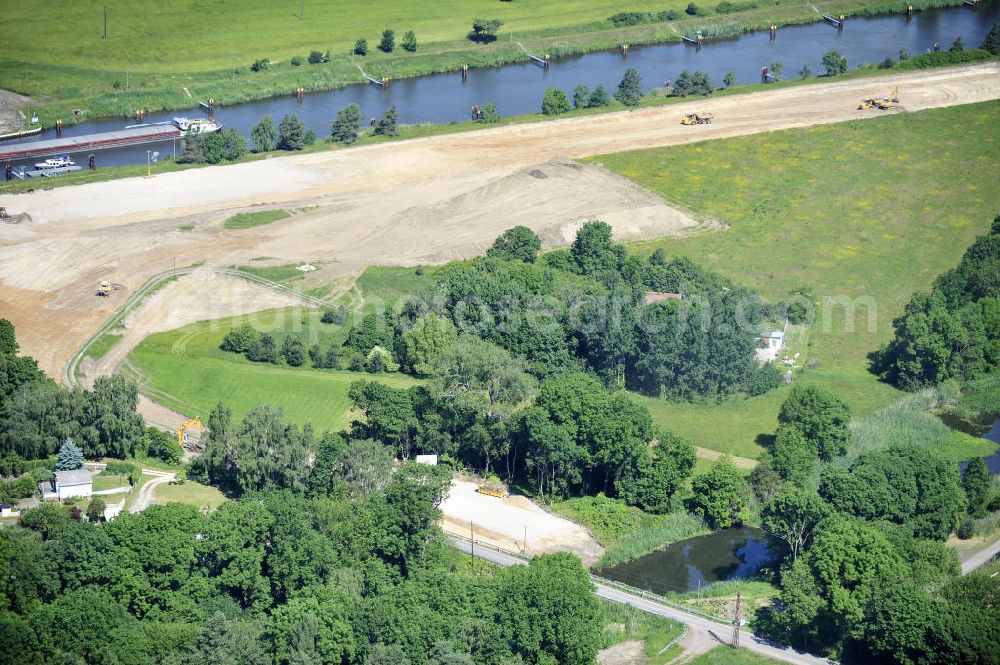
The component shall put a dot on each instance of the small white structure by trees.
(77, 482)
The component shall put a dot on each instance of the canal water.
(517, 88)
(694, 563)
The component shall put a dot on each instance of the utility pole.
(472, 539)
(105, 24)
(302, 10)
(737, 618)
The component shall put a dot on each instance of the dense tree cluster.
(277, 578)
(953, 332)
(812, 426)
(214, 147)
(876, 594)
(578, 309)
(868, 577)
(40, 415)
(574, 438)
(905, 485)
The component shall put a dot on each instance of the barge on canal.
(132, 135)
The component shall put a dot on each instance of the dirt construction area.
(200, 296)
(512, 520)
(420, 201)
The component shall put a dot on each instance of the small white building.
(427, 459)
(774, 341)
(73, 483)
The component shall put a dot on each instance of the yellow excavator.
(182, 430)
(696, 119)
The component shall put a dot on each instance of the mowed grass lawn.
(192, 36)
(867, 211)
(190, 493)
(185, 370)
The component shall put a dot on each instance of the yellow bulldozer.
(884, 104)
(696, 119)
(493, 489)
(105, 288)
(3, 213)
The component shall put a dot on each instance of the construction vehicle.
(696, 119)
(883, 104)
(493, 489)
(105, 288)
(3, 213)
(182, 438)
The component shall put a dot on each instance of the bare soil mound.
(554, 198)
(506, 522)
(200, 296)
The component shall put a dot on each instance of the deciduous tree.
(792, 516)
(720, 496)
(409, 42)
(554, 101)
(517, 243)
(821, 417)
(976, 481)
(548, 612)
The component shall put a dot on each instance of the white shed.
(773, 340)
(73, 483)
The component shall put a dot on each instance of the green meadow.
(864, 212)
(185, 370)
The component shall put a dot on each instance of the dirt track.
(421, 201)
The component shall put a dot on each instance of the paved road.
(719, 631)
(981, 558)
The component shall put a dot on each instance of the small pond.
(989, 430)
(730, 554)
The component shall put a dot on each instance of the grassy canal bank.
(655, 98)
(172, 54)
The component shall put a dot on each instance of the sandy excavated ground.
(509, 519)
(623, 653)
(420, 201)
(201, 296)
